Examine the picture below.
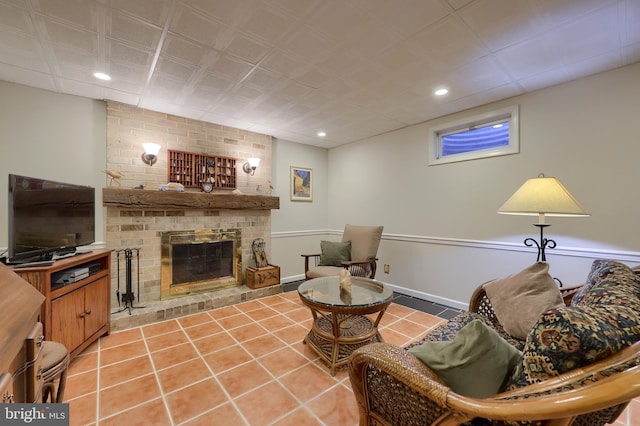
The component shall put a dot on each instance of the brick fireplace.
(140, 218)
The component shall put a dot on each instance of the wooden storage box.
(263, 277)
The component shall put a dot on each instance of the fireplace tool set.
(125, 300)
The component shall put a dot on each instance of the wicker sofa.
(558, 380)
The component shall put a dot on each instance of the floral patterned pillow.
(600, 269)
(604, 321)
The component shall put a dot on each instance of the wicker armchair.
(392, 387)
(365, 241)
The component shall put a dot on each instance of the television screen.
(48, 218)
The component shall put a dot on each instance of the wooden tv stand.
(75, 314)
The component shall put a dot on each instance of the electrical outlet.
(386, 268)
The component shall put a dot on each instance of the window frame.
(510, 114)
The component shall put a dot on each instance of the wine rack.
(194, 170)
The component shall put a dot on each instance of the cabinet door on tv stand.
(67, 322)
(96, 306)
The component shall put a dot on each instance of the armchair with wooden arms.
(394, 387)
(365, 241)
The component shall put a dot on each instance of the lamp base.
(543, 244)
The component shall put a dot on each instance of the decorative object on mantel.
(173, 186)
(539, 197)
(150, 154)
(236, 192)
(258, 253)
(114, 175)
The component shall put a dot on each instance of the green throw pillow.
(476, 363)
(333, 254)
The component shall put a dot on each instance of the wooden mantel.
(170, 200)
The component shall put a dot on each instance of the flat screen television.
(48, 218)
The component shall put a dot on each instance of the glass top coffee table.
(339, 322)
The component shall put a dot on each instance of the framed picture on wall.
(301, 181)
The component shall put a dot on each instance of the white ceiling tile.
(547, 78)
(119, 96)
(175, 70)
(196, 26)
(410, 17)
(247, 48)
(27, 77)
(78, 12)
(15, 18)
(296, 7)
(22, 51)
(179, 48)
(224, 10)
(449, 44)
(64, 35)
(336, 19)
(79, 88)
(522, 60)
(132, 31)
(120, 52)
(231, 68)
(153, 11)
(502, 23)
(267, 23)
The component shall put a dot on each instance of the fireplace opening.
(200, 260)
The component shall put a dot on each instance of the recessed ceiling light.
(102, 76)
(441, 92)
(322, 134)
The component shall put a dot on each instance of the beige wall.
(442, 233)
(51, 136)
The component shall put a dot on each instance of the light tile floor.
(239, 365)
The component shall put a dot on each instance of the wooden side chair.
(356, 252)
(55, 361)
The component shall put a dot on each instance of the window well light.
(102, 76)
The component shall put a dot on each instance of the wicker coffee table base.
(354, 331)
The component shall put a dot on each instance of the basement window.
(479, 136)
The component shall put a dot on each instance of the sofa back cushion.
(603, 321)
(519, 299)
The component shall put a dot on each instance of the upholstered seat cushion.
(52, 354)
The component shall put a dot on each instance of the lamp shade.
(253, 162)
(543, 196)
(151, 148)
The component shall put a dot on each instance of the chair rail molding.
(619, 255)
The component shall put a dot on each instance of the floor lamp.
(539, 197)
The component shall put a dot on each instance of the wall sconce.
(150, 155)
(251, 165)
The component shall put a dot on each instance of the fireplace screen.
(200, 260)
